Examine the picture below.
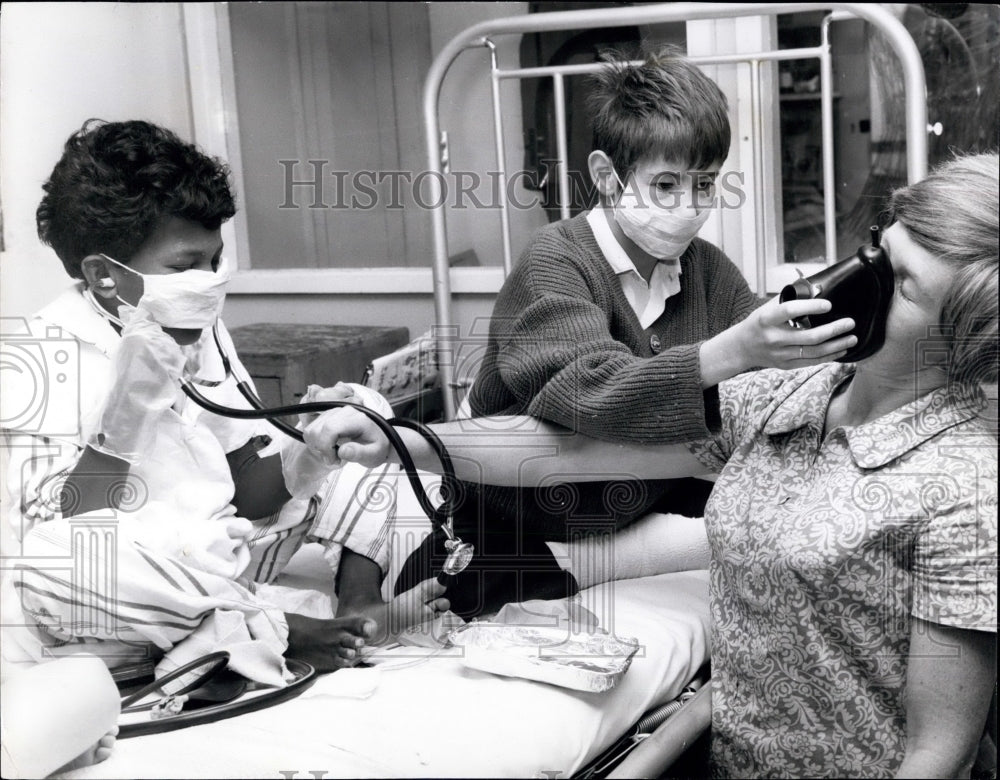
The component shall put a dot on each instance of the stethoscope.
(441, 517)
(459, 552)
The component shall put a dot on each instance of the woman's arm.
(518, 451)
(950, 678)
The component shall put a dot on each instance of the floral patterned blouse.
(822, 551)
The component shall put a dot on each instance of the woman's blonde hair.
(955, 215)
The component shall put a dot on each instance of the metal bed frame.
(479, 35)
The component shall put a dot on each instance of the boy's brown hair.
(664, 106)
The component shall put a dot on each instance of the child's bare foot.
(328, 645)
(93, 755)
(417, 605)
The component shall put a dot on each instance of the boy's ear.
(602, 173)
(98, 277)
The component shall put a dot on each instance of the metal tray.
(592, 662)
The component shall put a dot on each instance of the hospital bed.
(422, 712)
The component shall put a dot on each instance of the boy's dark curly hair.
(117, 180)
(665, 106)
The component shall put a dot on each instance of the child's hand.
(349, 435)
(771, 341)
(305, 466)
(327, 644)
(766, 339)
(314, 393)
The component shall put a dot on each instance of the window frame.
(215, 128)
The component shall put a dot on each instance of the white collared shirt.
(647, 300)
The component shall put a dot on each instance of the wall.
(60, 64)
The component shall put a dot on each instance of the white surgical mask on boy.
(660, 232)
(190, 299)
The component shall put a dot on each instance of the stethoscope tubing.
(438, 515)
(218, 661)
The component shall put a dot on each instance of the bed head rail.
(480, 35)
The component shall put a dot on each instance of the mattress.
(421, 713)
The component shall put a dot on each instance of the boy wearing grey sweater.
(618, 323)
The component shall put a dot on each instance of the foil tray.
(592, 662)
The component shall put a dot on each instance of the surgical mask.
(660, 232)
(190, 299)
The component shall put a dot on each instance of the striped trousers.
(86, 584)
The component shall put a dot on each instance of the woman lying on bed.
(853, 526)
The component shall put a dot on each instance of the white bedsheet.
(439, 718)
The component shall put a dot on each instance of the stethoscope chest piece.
(459, 556)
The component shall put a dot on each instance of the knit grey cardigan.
(566, 346)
